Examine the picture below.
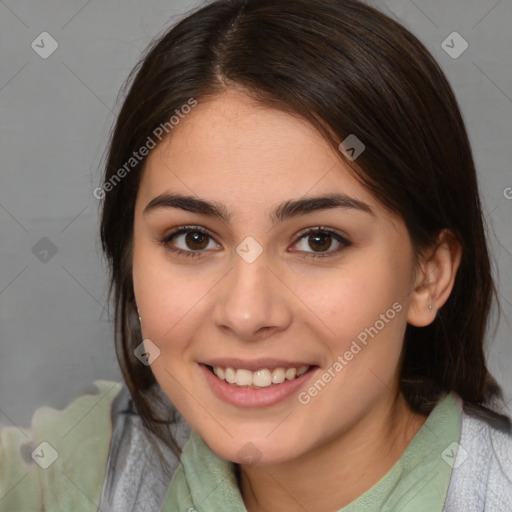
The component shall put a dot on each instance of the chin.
(253, 450)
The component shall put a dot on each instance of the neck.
(333, 475)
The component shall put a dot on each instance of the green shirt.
(418, 481)
(66, 473)
(58, 465)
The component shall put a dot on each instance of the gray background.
(55, 114)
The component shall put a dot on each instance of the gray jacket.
(481, 475)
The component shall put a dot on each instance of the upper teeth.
(260, 378)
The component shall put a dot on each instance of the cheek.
(171, 300)
(349, 299)
(359, 317)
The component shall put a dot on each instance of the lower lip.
(248, 397)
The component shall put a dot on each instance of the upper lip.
(254, 364)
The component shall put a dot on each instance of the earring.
(140, 319)
(429, 307)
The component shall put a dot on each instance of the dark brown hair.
(348, 69)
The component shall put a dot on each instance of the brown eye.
(189, 241)
(319, 241)
(196, 240)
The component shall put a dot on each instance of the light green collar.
(418, 481)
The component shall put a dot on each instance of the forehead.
(231, 128)
(231, 149)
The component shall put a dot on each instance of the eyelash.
(303, 234)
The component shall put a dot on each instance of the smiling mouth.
(259, 379)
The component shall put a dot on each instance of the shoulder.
(59, 462)
(482, 470)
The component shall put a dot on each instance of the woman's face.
(255, 291)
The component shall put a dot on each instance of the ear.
(434, 280)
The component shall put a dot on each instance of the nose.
(252, 301)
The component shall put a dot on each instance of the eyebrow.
(282, 212)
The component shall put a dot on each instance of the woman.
(301, 283)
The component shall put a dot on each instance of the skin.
(286, 304)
